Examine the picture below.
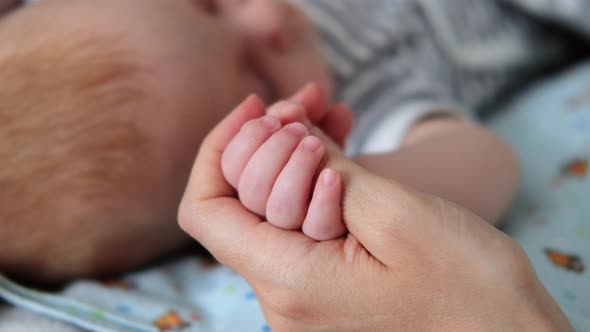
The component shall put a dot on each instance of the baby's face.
(273, 42)
(206, 56)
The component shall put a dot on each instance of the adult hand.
(411, 262)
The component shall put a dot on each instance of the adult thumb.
(209, 210)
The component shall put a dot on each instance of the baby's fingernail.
(311, 143)
(247, 124)
(270, 122)
(296, 129)
(329, 177)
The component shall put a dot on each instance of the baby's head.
(104, 104)
(205, 56)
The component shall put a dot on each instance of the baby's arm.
(456, 160)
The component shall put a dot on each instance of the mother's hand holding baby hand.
(411, 262)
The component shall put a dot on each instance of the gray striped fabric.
(469, 53)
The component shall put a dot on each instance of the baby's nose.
(262, 21)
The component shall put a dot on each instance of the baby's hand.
(274, 167)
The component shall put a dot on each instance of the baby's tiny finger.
(315, 101)
(265, 165)
(338, 123)
(289, 199)
(324, 216)
(288, 112)
(243, 146)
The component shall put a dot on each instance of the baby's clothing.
(396, 62)
(189, 294)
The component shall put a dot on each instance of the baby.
(412, 89)
(104, 105)
(414, 72)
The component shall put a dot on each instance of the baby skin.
(274, 165)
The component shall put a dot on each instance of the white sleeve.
(388, 134)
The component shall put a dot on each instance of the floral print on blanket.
(549, 129)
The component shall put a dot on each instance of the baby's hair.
(67, 143)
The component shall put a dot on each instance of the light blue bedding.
(549, 128)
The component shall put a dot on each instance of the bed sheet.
(549, 129)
